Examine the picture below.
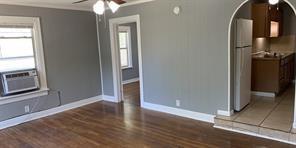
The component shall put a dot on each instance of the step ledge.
(254, 134)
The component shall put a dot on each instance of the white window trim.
(129, 45)
(39, 54)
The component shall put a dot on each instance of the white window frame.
(34, 22)
(129, 45)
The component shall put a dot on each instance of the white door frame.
(229, 112)
(116, 67)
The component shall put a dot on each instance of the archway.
(230, 62)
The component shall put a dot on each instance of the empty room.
(147, 73)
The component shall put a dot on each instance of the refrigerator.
(243, 63)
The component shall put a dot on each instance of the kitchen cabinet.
(267, 20)
(272, 74)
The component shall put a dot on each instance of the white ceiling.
(63, 4)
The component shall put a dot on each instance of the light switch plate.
(27, 109)
(178, 103)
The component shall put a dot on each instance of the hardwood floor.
(106, 124)
(131, 93)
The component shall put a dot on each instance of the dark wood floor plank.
(124, 125)
(131, 93)
(106, 124)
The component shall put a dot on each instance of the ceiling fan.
(101, 5)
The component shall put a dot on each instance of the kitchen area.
(273, 49)
(263, 66)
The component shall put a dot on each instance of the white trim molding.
(49, 112)
(180, 112)
(23, 96)
(110, 99)
(263, 94)
(130, 81)
(116, 67)
(225, 113)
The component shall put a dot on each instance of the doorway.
(126, 54)
(128, 50)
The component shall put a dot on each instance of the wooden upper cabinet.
(267, 20)
(275, 14)
(260, 20)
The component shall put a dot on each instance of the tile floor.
(267, 116)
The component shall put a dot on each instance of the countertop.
(265, 56)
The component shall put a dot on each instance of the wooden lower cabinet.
(272, 74)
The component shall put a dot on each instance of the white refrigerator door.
(243, 78)
(244, 32)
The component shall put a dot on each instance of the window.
(125, 47)
(16, 48)
(21, 48)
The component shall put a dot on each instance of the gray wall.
(71, 57)
(184, 57)
(245, 11)
(132, 73)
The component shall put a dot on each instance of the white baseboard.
(110, 99)
(225, 113)
(179, 112)
(130, 81)
(253, 134)
(263, 94)
(49, 112)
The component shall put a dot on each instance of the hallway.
(131, 93)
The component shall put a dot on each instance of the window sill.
(130, 67)
(24, 96)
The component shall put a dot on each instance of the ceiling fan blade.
(119, 1)
(81, 1)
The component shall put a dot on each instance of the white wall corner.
(131, 81)
(180, 112)
(110, 99)
(49, 112)
(294, 125)
(225, 113)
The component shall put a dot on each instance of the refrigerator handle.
(242, 61)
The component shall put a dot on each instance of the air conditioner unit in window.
(19, 81)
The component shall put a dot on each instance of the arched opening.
(260, 45)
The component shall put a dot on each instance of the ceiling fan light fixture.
(99, 7)
(273, 2)
(113, 6)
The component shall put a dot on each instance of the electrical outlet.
(27, 109)
(178, 103)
